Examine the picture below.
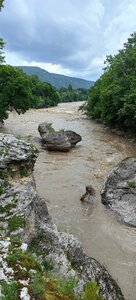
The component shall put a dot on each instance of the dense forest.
(112, 99)
(20, 92)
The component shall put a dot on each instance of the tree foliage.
(1, 51)
(15, 91)
(19, 92)
(69, 94)
(112, 99)
(1, 4)
(45, 94)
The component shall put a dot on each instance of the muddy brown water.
(61, 179)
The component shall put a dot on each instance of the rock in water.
(89, 194)
(45, 129)
(73, 137)
(119, 191)
(62, 140)
(57, 141)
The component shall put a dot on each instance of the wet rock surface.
(89, 194)
(119, 192)
(62, 140)
(25, 223)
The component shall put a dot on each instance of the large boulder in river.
(45, 129)
(119, 191)
(73, 137)
(61, 140)
(57, 141)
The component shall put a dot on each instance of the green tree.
(1, 51)
(70, 87)
(15, 91)
(45, 94)
(1, 4)
(70, 94)
(112, 99)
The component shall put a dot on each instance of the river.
(61, 179)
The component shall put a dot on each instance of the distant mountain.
(57, 80)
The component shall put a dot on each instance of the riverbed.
(61, 179)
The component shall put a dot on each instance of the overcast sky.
(70, 37)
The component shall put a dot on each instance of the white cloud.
(121, 26)
(98, 61)
(53, 68)
(15, 60)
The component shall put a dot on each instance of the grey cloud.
(72, 33)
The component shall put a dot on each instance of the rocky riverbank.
(31, 245)
(119, 191)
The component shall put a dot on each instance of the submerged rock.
(88, 196)
(25, 222)
(119, 191)
(62, 140)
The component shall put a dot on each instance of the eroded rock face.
(70, 260)
(119, 192)
(62, 140)
(19, 202)
(15, 151)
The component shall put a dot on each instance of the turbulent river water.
(61, 179)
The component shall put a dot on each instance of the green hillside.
(57, 80)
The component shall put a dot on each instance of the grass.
(16, 222)
(6, 208)
(43, 285)
(15, 241)
(1, 190)
(132, 184)
(23, 171)
(36, 286)
(48, 287)
(48, 265)
(91, 292)
(66, 287)
(4, 173)
(10, 290)
(26, 260)
(34, 151)
(3, 180)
